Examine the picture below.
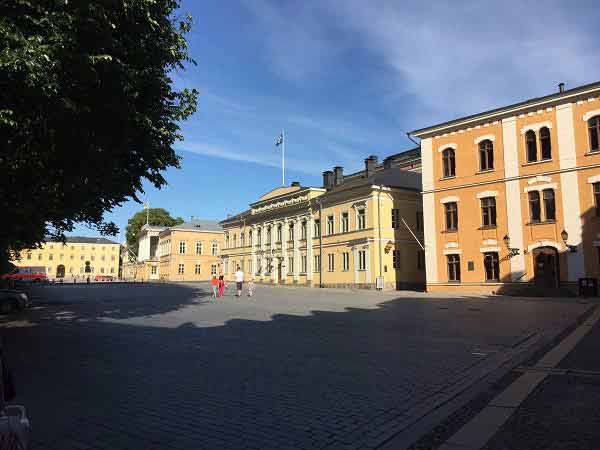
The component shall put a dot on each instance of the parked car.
(11, 300)
(28, 274)
(104, 278)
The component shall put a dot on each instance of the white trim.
(478, 139)
(539, 179)
(588, 115)
(489, 249)
(450, 198)
(485, 194)
(451, 245)
(593, 179)
(454, 251)
(542, 243)
(490, 242)
(535, 127)
(451, 145)
(540, 187)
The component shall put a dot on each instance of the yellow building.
(348, 233)
(186, 252)
(512, 196)
(77, 259)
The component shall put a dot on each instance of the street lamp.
(511, 251)
(565, 237)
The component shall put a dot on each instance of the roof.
(83, 240)
(510, 109)
(395, 177)
(198, 225)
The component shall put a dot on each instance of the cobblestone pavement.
(162, 367)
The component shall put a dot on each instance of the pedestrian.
(215, 284)
(221, 286)
(239, 281)
(251, 287)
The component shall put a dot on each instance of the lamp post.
(511, 251)
(565, 237)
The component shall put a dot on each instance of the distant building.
(351, 232)
(78, 258)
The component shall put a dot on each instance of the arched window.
(594, 132)
(531, 144)
(545, 144)
(549, 205)
(534, 207)
(449, 165)
(486, 155)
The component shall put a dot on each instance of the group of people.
(218, 285)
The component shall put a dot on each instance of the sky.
(346, 79)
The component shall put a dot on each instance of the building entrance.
(546, 270)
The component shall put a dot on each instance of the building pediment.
(278, 192)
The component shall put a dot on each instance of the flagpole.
(283, 157)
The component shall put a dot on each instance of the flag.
(279, 140)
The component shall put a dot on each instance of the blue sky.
(349, 78)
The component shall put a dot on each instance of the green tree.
(156, 217)
(87, 110)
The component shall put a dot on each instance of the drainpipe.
(379, 230)
(318, 200)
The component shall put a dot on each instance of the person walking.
(221, 286)
(239, 281)
(215, 284)
(250, 287)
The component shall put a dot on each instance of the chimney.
(370, 164)
(295, 184)
(561, 87)
(328, 179)
(338, 175)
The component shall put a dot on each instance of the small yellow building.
(359, 230)
(512, 196)
(77, 259)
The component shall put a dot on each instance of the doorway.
(60, 271)
(546, 270)
(280, 270)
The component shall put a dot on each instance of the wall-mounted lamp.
(511, 251)
(565, 237)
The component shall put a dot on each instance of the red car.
(104, 278)
(30, 274)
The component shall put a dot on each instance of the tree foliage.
(155, 216)
(87, 109)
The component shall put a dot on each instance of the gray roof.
(198, 225)
(395, 177)
(83, 240)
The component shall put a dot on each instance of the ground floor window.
(331, 262)
(345, 261)
(213, 269)
(362, 260)
(453, 267)
(420, 259)
(396, 259)
(153, 270)
(492, 266)
(197, 269)
(250, 266)
(269, 262)
(317, 263)
(180, 269)
(290, 265)
(112, 270)
(303, 264)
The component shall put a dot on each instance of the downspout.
(379, 230)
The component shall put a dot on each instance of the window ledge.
(533, 163)
(547, 222)
(447, 178)
(592, 152)
(488, 227)
(480, 172)
(450, 231)
(454, 281)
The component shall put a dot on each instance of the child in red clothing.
(221, 286)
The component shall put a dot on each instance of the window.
(535, 215)
(279, 228)
(112, 257)
(303, 230)
(242, 240)
(346, 261)
(103, 258)
(291, 231)
(182, 247)
(596, 187)
(331, 262)
(197, 269)
(250, 237)
(259, 236)
(317, 226)
(234, 240)
(361, 219)
(396, 259)
(28, 255)
(362, 260)
(545, 143)
(486, 155)
(303, 264)
(291, 264)
(40, 257)
(198, 248)
(453, 267)
(594, 132)
(62, 257)
(395, 218)
(181, 269)
(227, 241)
(531, 144)
(102, 270)
(153, 270)
(344, 222)
(451, 216)
(50, 257)
(420, 220)
(488, 211)
(329, 224)
(448, 163)
(420, 259)
(214, 249)
(250, 266)
(112, 270)
(549, 206)
(268, 235)
(82, 257)
(317, 259)
(92, 258)
(492, 266)
(213, 269)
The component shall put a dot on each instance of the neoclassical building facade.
(512, 196)
(356, 230)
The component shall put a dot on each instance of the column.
(296, 244)
(262, 262)
(367, 250)
(253, 251)
(355, 262)
(570, 189)
(310, 225)
(284, 238)
(273, 262)
(429, 210)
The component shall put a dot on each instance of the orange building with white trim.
(511, 197)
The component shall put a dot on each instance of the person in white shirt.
(239, 281)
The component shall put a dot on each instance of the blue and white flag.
(279, 140)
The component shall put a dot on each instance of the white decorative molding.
(451, 245)
(451, 145)
(593, 179)
(539, 179)
(536, 126)
(478, 139)
(588, 115)
(538, 244)
(489, 249)
(485, 194)
(450, 198)
(540, 187)
(490, 242)
(453, 252)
